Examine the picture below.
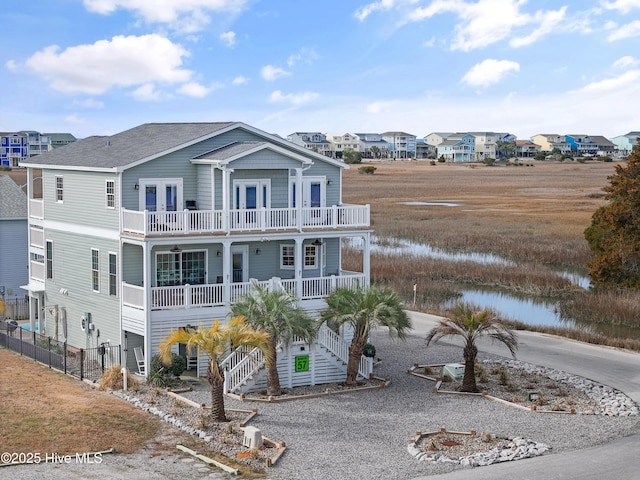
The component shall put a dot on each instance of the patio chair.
(139, 353)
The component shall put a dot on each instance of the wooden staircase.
(242, 367)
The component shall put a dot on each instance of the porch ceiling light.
(176, 249)
(317, 242)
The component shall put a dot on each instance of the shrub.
(112, 379)
(489, 161)
(369, 351)
(368, 169)
(5, 168)
(175, 368)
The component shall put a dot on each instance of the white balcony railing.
(36, 237)
(37, 270)
(213, 295)
(36, 208)
(264, 219)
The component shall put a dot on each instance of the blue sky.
(97, 67)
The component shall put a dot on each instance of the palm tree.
(471, 324)
(365, 310)
(278, 314)
(214, 342)
(375, 150)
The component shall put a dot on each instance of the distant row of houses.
(451, 146)
(461, 146)
(18, 146)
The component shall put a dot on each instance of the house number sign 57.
(302, 363)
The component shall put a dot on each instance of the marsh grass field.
(532, 215)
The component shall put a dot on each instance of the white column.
(225, 199)
(299, 198)
(298, 267)
(147, 282)
(366, 261)
(226, 272)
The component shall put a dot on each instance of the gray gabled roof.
(127, 147)
(13, 201)
(145, 142)
(231, 150)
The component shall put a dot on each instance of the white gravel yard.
(362, 434)
(365, 434)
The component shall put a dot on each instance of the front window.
(110, 192)
(59, 189)
(95, 270)
(49, 258)
(287, 256)
(113, 275)
(310, 256)
(180, 268)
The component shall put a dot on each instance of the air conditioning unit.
(86, 324)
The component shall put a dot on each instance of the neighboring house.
(166, 225)
(485, 144)
(14, 252)
(424, 150)
(60, 139)
(14, 147)
(18, 146)
(603, 146)
(550, 141)
(526, 149)
(436, 138)
(458, 147)
(375, 141)
(314, 141)
(401, 144)
(625, 144)
(339, 143)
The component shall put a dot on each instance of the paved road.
(617, 460)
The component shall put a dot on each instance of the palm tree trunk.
(469, 379)
(355, 353)
(217, 395)
(273, 379)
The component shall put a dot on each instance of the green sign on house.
(302, 363)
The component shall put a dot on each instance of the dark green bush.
(368, 169)
(176, 367)
(369, 351)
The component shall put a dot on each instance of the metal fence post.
(81, 363)
(49, 342)
(64, 352)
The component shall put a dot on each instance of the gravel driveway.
(364, 434)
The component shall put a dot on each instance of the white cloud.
(146, 93)
(74, 119)
(363, 12)
(626, 31)
(240, 80)
(183, 15)
(626, 61)
(89, 103)
(271, 73)
(228, 38)
(627, 81)
(296, 99)
(12, 65)
(624, 6)
(308, 55)
(119, 62)
(483, 22)
(193, 89)
(489, 71)
(548, 22)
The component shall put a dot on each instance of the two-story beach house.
(166, 225)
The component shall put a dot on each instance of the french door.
(248, 197)
(161, 195)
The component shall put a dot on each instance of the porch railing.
(240, 366)
(336, 345)
(36, 208)
(239, 220)
(213, 295)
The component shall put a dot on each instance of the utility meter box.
(455, 371)
(252, 437)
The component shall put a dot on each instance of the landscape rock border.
(517, 448)
(612, 402)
